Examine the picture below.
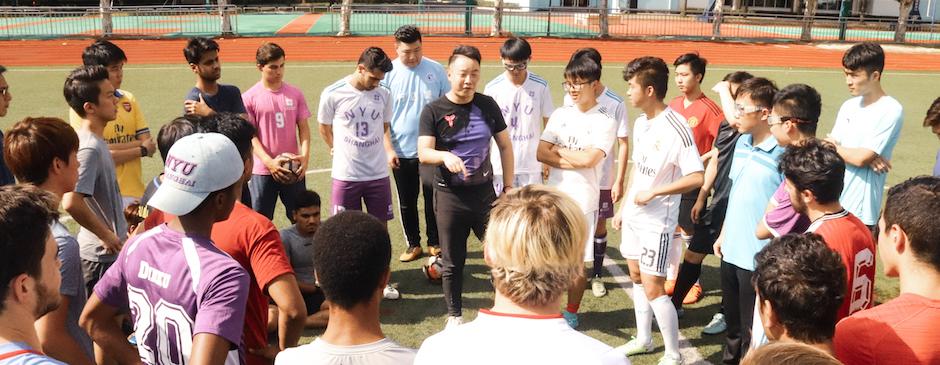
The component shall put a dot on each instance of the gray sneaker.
(597, 287)
(716, 326)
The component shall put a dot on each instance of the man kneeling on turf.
(351, 258)
(534, 246)
(298, 244)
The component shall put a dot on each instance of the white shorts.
(518, 181)
(592, 228)
(652, 248)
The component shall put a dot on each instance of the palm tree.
(904, 11)
(345, 14)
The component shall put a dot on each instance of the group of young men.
(798, 259)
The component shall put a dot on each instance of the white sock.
(674, 256)
(644, 314)
(668, 322)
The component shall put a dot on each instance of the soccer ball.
(433, 269)
(290, 163)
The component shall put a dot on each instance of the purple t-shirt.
(783, 219)
(275, 114)
(177, 286)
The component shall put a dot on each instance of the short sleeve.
(303, 111)
(604, 141)
(70, 267)
(238, 106)
(550, 133)
(851, 341)
(221, 311)
(623, 121)
(547, 106)
(325, 111)
(88, 165)
(267, 257)
(285, 241)
(885, 132)
(782, 218)
(499, 123)
(838, 128)
(141, 126)
(112, 288)
(388, 107)
(442, 79)
(249, 108)
(688, 159)
(426, 123)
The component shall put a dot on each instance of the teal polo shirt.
(754, 178)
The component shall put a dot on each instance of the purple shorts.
(605, 205)
(377, 195)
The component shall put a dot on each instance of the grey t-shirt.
(299, 250)
(72, 286)
(98, 183)
(319, 352)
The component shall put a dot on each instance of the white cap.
(196, 166)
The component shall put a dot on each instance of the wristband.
(143, 151)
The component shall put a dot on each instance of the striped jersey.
(612, 105)
(523, 108)
(704, 116)
(663, 152)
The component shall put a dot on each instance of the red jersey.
(901, 331)
(252, 240)
(847, 235)
(703, 116)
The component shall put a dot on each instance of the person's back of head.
(171, 132)
(932, 119)
(801, 104)
(33, 145)
(535, 245)
(800, 284)
(910, 216)
(352, 251)
(233, 126)
(795, 353)
(25, 250)
(814, 166)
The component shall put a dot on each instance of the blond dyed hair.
(535, 244)
(788, 352)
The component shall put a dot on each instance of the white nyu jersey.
(612, 105)
(572, 129)
(524, 108)
(663, 152)
(358, 118)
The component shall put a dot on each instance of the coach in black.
(454, 134)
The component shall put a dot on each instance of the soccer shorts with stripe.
(651, 248)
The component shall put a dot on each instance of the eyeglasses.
(516, 66)
(574, 86)
(741, 109)
(776, 119)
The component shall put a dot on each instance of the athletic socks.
(688, 276)
(573, 308)
(674, 257)
(668, 322)
(600, 248)
(644, 314)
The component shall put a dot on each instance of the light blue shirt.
(28, 357)
(754, 178)
(411, 90)
(875, 127)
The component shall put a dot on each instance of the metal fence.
(440, 19)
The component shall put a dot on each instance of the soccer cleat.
(694, 295)
(716, 326)
(668, 359)
(571, 318)
(453, 321)
(411, 254)
(670, 287)
(391, 293)
(635, 347)
(597, 287)
(434, 250)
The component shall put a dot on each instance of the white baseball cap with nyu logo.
(196, 166)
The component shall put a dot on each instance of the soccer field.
(37, 91)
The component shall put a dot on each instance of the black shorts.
(685, 210)
(314, 301)
(708, 228)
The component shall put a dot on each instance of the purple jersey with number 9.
(177, 286)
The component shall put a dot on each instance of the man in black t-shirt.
(209, 96)
(454, 134)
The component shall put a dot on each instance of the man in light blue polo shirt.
(866, 129)
(754, 177)
(414, 81)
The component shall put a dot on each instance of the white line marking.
(690, 354)
(317, 171)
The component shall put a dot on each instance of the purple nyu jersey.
(177, 286)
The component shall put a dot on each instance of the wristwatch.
(143, 151)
